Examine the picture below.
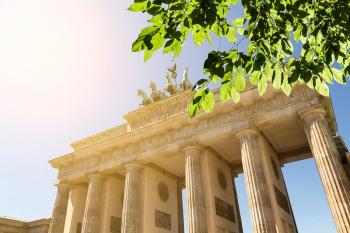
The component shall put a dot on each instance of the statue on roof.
(185, 83)
(156, 95)
(145, 99)
(171, 86)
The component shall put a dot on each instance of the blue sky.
(67, 72)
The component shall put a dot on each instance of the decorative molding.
(159, 111)
(101, 137)
(301, 96)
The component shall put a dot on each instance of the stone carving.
(145, 99)
(282, 200)
(162, 220)
(171, 87)
(115, 225)
(79, 227)
(185, 83)
(155, 94)
(163, 191)
(224, 210)
(222, 179)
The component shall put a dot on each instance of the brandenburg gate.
(130, 178)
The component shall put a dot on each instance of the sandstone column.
(131, 206)
(259, 202)
(91, 221)
(60, 210)
(332, 173)
(196, 213)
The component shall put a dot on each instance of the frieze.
(223, 119)
(159, 111)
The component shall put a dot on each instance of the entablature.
(163, 139)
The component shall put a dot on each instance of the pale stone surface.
(258, 195)
(131, 205)
(60, 209)
(196, 213)
(10, 225)
(75, 209)
(333, 176)
(112, 204)
(92, 212)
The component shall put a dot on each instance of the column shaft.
(60, 210)
(196, 213)
(258, 196)
(91, 221)
(131, 206)
(332, 173)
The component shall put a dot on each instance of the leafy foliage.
(272, 28)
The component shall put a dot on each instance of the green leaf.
(199, 37)
(286, 87)
(240, 82)
(262, 85)
(240, 31)
(322, 87)
(238, 22)
(157, 20)
(276, 81)
(157, 41)
(138, 6)
(208, 102)
(147, 55)
(254, 77)
(327, 75)
(138, 45)
(268, 71)
(231, 35)
(225, 91)
(235, 95)
(338, 76)
(193, 109)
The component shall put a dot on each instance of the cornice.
(233, 115)
(100, 137)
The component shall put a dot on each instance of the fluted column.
(60, 210)
(258, 196)
(131, 204)
(196, 214)
(332, 173)
(91, 221)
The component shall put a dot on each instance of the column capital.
(133, 166)
(193, 147)
(95, 177)
(249, 132)
(312, 113)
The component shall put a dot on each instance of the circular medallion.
(222, 179)
(275, 169)
(163, 191)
